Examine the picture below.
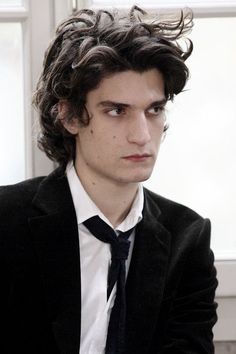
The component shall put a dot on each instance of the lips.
(137, 157)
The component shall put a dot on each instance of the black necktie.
(119, 253)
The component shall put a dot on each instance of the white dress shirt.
(95, 259)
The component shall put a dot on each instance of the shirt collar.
(85, 208)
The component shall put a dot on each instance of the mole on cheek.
(114, 137)
(91, 131)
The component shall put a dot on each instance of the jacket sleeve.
(192, 312)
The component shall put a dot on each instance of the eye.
(116, 111)
(155, 110)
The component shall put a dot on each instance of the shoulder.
(169, 207)
(16, 197)
(15, 209)
(189, 233)
(27, 186)
(173, 215)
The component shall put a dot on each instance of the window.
(198, 156)
(26, 28)
(12, 154)
(12, 134)
(10, 3)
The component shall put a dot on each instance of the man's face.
(121, 142)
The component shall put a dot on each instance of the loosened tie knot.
(120, 249)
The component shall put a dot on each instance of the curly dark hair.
(92, 45)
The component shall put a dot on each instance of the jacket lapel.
(146, 278)
(55, 237)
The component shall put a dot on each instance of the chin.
(143, 179)
(139, 178)
(143, 176)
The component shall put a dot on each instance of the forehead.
(130, 87)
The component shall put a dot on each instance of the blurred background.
(197, 163)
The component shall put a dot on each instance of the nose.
(139, 130)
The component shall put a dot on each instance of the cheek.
(157, 131)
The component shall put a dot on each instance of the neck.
(114, 200)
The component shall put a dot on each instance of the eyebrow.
(121, 104)
(112, 103)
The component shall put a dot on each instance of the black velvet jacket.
(170, 286)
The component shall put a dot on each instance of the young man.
(91, 262)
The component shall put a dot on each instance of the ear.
(72, 125)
